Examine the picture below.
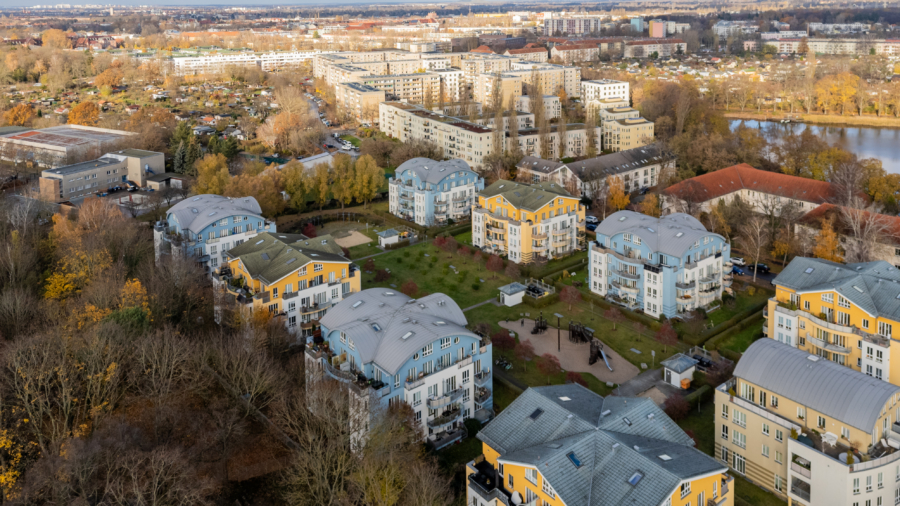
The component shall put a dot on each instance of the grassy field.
(743, 302)
(432, 274)
(352, 139)
(743, 339)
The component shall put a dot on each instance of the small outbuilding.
(511, 294)
(678, 370)
(387, 237)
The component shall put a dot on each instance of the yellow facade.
(846, 328)
(718, 486)
(497, 223)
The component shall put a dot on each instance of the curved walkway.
(572, 356)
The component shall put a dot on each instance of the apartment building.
(664, 266)
(725, 28)
(524, 222)
(430, 192)
(359, 100)
(571, 26)
(839, 27)
(618, 113)
(575, 146)
(661, 47)
(475, 64)
(637, 168)
(564, 444)
(510, 88)
(765, 191)
(205, 227)
(842, 313)
(552, 105)
(656, 28)
(575, 53)
(460, 138)
(552, 77)
(119, 168)
(837, 46)
(289, 275)
(388, 349)
(594, 92)
(538, 54)
(784, 34)
(416, 88)
(217, 63)
(622, 134)
(809, 430)
(453, 83)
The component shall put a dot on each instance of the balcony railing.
(483, 377)
(800, 489)
(836, 348)
(436, 402)
(440, 421)
(802, 471)
(482, 395)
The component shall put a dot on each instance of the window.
(685, 489)
(725, 432)
(842, 302)
(880, 480)
(765, 429)
(509, 479)
(740, 418)
(547, 489)
(868, 483)
(445, 343)
(428, 350)
(778, 457)
(801, 412)
(855, 486)
(738, 463)
(765, 451)
(531, 475)
(821, 422)
(828, 297)
(779, 435)
(779, 483)
(317, 267)
(739, 439)
(806, 305)
(774, 402)
(865, 323)
(724, 455)
(417, 399)
(884, 329)
(725, 411)
(845, 433)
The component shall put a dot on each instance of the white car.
(737, 261)
(591, 219)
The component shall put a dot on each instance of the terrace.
(486, 483)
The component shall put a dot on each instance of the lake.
(866, 142)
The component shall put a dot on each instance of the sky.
(8, 4)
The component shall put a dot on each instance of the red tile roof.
(572, 47)
(527, 50)
(738, 177)
(814, 219)
(482, 49)
(648, 42)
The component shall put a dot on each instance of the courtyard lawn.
(743, 302)
(743, 339)
(529, 375)
(352, 139)
(364, 250)
(432, 274)
(621, 340)
(465, 238)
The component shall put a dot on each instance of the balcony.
(685, 286)
(539, 237)
(446, 418)
(784, 308)
(406, 196)
(800, 469)
(486, 483)
(800, 489)
(628, 275)
(633, 290)
(564, 231)
(482, 395)
(683, 299)
(447, 438)
(437, 402)
(835, 348)
(483, 378)
(560, 243)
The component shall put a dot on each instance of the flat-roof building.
(60, 145)
(96, 176)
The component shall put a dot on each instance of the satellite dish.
(516, 498)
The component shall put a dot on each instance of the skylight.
(538, 412)
(622, 218)
(290, 261)
(440, 323)
(376, 327)
(408, 335)
(388, 293)
(665, 457)
(635, 478)
(679, 234)
(858, 289)
(357, 304)
(627, 421)
(565, 399)
(260, 242)
(265, 256)
(809, 270)
(573, 459)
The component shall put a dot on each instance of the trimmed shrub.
(476, 286)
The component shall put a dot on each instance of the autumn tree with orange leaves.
(19, 115)
(85, 113)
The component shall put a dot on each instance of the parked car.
(591, 219)
(591, 226)
(759, 268)
(644, 190)
(737, 261)
(737, 270)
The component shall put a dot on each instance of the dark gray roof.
(672, 234)
(513, 288)
(536, 164)
(427, 319)
(617, 163)
(523, 196)
(872, 286)
(197, 212)
(272, 256)
(679, 363)
(106, 161)
(432, 171)
(545, 424)
(836, 391)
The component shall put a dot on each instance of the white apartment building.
(552, 106)
(359, 100)
(575, 53)
(594, 92)
(646, 48)
(571, 26)
(220, 62)
(839, 27)
(552, 76)
(787, 34)
(417, 88)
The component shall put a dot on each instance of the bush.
(397, 245)
(406, 254)
(452, 287)
(677, 407)
(382, 275)
(476, 286)
(542, 302)
(434, 260)
(399, 260)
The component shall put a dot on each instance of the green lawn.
(621, 340)
(364, 250)
(432, 274)
(465, 238)
(743, 339)
(743, 302)
(352, 139)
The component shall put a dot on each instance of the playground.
(573, 356)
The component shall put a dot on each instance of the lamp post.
(558, 330)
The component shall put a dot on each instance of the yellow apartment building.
(289, 275)
(842, 313)
(623, 134)
(566, 445)
(525, 222)
(808, 429)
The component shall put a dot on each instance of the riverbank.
(866, 120)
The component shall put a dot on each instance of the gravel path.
(572, 356)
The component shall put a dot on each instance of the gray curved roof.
(429, 319)
(197, 212)
(432, 171)
(672, 234)
(836, 391)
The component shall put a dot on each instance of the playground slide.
(602, 354)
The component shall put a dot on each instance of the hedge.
(548, 271)
(396, 245)
(458, 229)
(713, 344)
(697, 396)
(542, 302)
(388, 217)
(651, 323)
(707, 334)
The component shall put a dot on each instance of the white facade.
(602, 89)
(217, 63)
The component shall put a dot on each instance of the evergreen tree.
(178, 162)
(183, 133)
(212, 147)
(194, 153)
(229, 147)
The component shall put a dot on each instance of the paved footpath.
(572, 356)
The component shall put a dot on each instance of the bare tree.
(754, 238)
(865, 228)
